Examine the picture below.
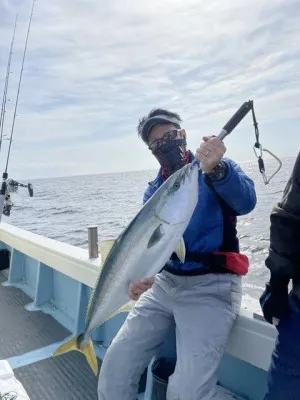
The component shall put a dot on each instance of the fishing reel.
(11, 186)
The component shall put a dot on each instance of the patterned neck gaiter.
(170, 151)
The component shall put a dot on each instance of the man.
(199, 298)
(279, 307)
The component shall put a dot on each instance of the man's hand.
(210, 153)
(275, 300)
(139, 287)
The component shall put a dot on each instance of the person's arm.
(146, 196)
(284, 253)
(235, 187)
(283, 260)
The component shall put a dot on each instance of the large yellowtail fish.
(140, 251)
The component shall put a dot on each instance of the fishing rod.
(237, 117)
(4, 99)
(9, 186)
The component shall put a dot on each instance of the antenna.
(19, 87)
(3, 107)
(5, 199)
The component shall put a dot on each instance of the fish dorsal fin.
(156, 236)
(180, 250)
(104, 249)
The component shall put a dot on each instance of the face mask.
(170, 151)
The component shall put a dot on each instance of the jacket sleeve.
(236, 189)
(284, 252)
(145, 197)
(147, 194)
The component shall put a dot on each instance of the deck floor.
(22, 331)
(65, 377)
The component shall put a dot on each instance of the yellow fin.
(86, 347)
(126, 308)
(180, 250)
(104, 249)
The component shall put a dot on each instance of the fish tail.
(85, 346)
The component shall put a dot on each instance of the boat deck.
(26, 337)
(27, 340)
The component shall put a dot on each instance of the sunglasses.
(167, 136)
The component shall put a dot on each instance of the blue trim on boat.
(33, 356)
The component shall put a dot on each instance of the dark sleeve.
(146, 196)
(284, 251)
(148, 193)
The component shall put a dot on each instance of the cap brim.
(159, 119)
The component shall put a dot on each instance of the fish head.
(178, 195)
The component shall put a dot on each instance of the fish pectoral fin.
(86, 347)
(180, 250)
(156, 236)
(105, 247)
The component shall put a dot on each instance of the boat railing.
(59, 278)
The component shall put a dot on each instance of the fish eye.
(176, 185)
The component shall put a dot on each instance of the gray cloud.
(93, 68)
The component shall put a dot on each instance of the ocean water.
(63, 208)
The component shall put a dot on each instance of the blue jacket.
(205, 230)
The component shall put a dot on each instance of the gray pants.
(201, 309)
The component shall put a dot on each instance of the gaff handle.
(236, 119)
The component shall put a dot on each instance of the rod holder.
(93, 241)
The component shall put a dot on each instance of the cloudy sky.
(94, 67)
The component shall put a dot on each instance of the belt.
(198, 270)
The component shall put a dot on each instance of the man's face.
(168, 144)
(159, 130)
